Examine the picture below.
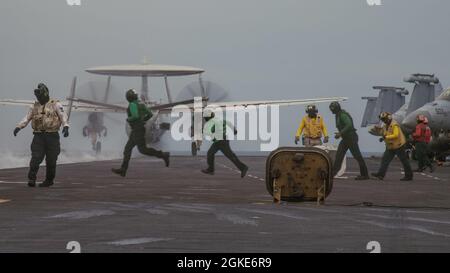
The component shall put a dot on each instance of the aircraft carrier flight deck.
(180, 209)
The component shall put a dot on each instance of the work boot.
(406, 178)
(208, 171)
(362, 177)
(166, 158)
(431, 168)
(32, 183)
(46, 184)
(244, 171)
(377, 175)
(419, 170)
(120, 171)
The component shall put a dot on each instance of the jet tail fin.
(425, 90)
(438, 89)
(389, 99)
(368, 112)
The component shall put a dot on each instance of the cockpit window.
(445, 95)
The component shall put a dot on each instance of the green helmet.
(131, 95)
(335, 107)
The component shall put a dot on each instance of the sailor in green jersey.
(347, 131)
(216, 128)
(138, 115)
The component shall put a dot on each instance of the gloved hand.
(16, 130)
(297, 139)
(235, 131)
(381, 139)
(326, 139)
(65, 131)
(337, 135)
(85, 133)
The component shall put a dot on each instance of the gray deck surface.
(179, 209)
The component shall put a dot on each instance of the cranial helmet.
(42, 93)
(131, 95)
(311, 109)
(42, 90)
(335, 107)
(422, 119)
(385, 117)
(208, 113)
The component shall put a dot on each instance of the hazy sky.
(256, 49)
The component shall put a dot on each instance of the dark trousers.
(422, 155)
(137, 138)
(44, 145)
(349, 142)
(224, 147)
(389, 155)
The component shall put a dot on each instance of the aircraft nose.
(410, 121)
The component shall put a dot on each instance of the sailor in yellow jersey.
(312, 127)
(395, 146)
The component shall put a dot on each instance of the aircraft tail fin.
(422, 94)
(438, 89)
(425, 90)
(368, 112)
(389, 99)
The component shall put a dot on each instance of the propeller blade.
(170, 105)
(192, 91)
(114, 120)
(222, 97)
(108, 88)
(71, 95)
(212, 90)
(92, 90)
(207, 87)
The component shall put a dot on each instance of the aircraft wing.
(106, 107)
(83, 105)
(17, 102)
(78, 105)
(277, 102)
(166, 110)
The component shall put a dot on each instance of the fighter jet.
(426, 88)
(438, 115)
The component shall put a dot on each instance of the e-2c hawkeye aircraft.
(156, 126)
